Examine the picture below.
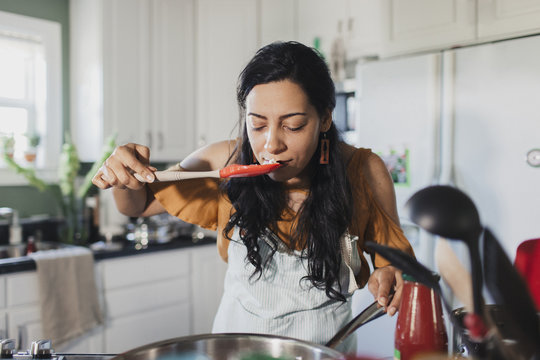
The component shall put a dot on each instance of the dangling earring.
(325, 150)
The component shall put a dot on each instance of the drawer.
(149, 296)
(132, 270)
(142, 329)
(22, 289)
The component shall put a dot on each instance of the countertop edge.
(25, 263)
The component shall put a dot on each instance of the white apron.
(280, 302)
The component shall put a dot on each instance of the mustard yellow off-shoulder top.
(200, 202)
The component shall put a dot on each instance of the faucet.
(15, 230)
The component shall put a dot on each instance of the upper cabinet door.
(171, 126)
(278, 21)
(506, 18)
(126, 69)
(320, 19)
(226, 41)
(419, 25)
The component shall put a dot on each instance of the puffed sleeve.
(195, 201)
(383, 230)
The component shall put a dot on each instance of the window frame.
(49, 32)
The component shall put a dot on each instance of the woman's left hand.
(381, 283)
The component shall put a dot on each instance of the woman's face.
(283, 126)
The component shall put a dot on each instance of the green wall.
(28, 200)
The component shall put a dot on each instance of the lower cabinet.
(127, 332)
(145, 298)
(207, 275)
(22, 313)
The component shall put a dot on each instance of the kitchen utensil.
(454, 273)
(448, 212)
(422, 274)
(509, 290)
(231, 346)
(420, 326)
(507, 345)
(229, 171)
(372, 312)
(407, 264)
(246, 346)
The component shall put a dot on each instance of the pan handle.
(372, 312)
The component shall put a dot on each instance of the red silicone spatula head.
(247, 170)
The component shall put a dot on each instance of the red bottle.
(420, 327)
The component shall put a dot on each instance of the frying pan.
(243, 346)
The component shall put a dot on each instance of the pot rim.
(332, 353)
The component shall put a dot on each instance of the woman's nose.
(274, 143)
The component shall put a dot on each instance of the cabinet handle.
(149, 139)
(202, 140)
(22, 336)
(160, 140)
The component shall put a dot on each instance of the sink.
(14, 251)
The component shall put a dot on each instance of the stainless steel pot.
(231, 346)
(240, 346)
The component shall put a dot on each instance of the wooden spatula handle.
(180, 175)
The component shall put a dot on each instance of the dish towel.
(68, 294)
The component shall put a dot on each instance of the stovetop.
(42, 349)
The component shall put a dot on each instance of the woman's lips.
(273, 161)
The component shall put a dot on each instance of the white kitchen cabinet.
(132, 74)
(424, 25)
(227, 38)
(3, 315)
(507, 18)
(146, 298)
(320, 19)
(357, 22)
(22, 316)
(23, 313)
(278, 21)
(208, 273)
(419, 25)
(3, 324)
(171, 125)
(363, 28)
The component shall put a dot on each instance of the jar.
(420, 327)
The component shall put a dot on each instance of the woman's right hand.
(117, 171)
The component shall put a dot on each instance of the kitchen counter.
(25, 263)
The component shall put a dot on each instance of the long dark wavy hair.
(259, 201)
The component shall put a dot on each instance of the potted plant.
(33, 142)
(8, 145)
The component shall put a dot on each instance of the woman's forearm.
(130, 202)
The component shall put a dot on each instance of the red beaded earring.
(325, 150)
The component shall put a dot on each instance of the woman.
(293, 239)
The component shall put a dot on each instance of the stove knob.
(7, 348)
(41, 349)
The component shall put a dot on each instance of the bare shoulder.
(347, 151)
(381, 184)
(376, 172)
(210, 157)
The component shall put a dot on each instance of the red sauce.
(420, 327)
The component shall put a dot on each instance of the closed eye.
(295, 128)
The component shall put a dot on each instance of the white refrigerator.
(466, 117)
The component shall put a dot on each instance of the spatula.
(229, 171)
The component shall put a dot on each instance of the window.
(30, 92)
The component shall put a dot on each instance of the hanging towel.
(68, 294)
